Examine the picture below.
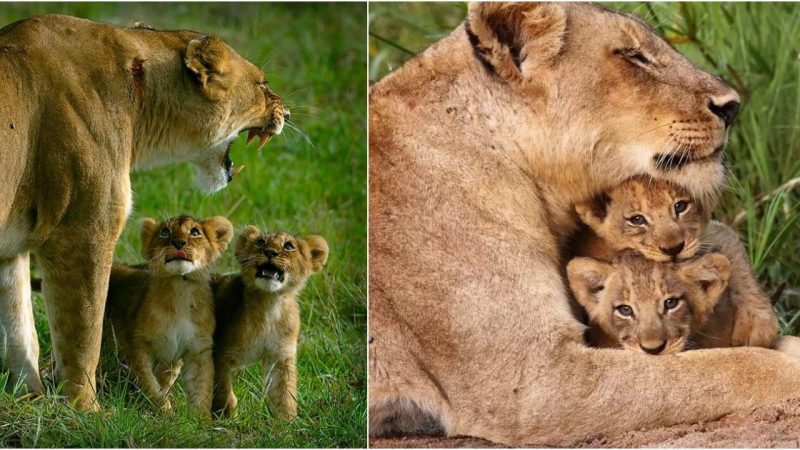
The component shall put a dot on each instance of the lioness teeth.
(235, 171)
(264, 139)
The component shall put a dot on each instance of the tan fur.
(473, 178)
(163, 316)
(258, 317)
(611, 230)
(83, 104)
(655, 308)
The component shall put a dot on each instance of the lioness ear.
(146, 232)
(709, 273)
(515, 39)
(207, 59)
(219, 230)
(319, 252)
(587, 279)
(248, 233)
(593, 212)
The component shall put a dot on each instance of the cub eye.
(671, 303)
(261, 243)
(624, 310)
(681, 206)
(640, 58)
(637, 220)
(288, 246)
(165, 232)
(194, 232)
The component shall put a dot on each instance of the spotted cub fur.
(162, 315)
(258, 316)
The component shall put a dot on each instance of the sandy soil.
(773, 426)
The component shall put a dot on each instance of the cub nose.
(178, 244)
(673, 251)
(654, 350)
(286, 114)
(270, 253)
(725, 111)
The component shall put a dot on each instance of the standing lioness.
(479, 148)
(83, 104)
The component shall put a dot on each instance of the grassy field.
(754, 46)
(307, 181)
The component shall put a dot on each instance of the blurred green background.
(310, 180)
(754, 46)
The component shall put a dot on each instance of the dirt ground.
(772, 426)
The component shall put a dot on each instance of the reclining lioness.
(83, 104)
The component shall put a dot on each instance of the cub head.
(641, 108)
(183, 245)
(654, 217)
(647, 306)
(195, 109)
(279, 262)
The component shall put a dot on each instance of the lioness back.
(662, 222)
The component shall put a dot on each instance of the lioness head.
(648, 306)
(606, 86)
(193, 108)
(279, 262)
(654, 217)
(183, 245)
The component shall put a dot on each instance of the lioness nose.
(286, 114)
(178, 244)
(270, 253)
(725, 109)
(654, 350)
(673, 251)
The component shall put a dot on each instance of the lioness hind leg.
(17, 331)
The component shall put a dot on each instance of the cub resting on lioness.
(163, 316)
(662, 222)
(83, 104)
(258, 317)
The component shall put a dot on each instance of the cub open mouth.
(678, 161)
(261, 133)
(178, 255)
(270, 271)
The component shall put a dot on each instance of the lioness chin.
(479, 148)
(84, 103)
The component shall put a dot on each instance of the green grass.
(313, 56)
(755, 47)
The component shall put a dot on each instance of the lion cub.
(162, 315)
(663, 223)
(656, 308)
(258, 317)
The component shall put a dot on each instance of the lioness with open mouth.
(83, 104)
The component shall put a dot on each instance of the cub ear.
(588, 277)
(319, 252)
(207, 59)
(146, 232)
(220, 230)
(709, 274)
(247, 234)
(593, 212)
(515, 39)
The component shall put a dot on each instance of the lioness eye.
(288, 246)
(194, 232)
(640, 58)
(681, 206)
(625, 310)
(261, 243)
(165, 232)
(637, 220)
(671, 303)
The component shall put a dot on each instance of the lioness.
(655, 308)
(662, 222)
(479, 148)
(163, 315)
(258, 316)
(85, 103)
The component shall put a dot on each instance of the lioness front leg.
(17, 329)
(199, 381)
(282, 386)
